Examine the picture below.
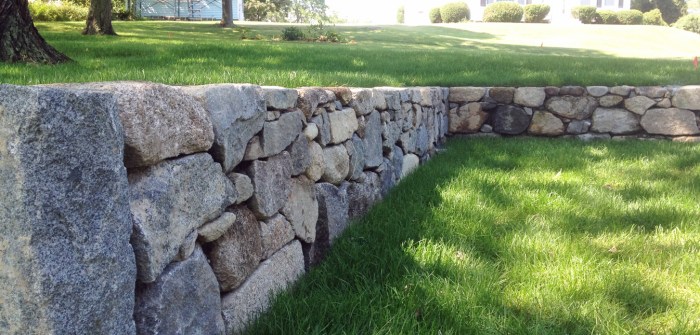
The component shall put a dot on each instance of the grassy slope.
(517, 237)
(447, 55)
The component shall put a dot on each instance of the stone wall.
(594, 112)
(143, 208)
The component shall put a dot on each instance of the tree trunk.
(19, 39)
(99, 20)
(227, 13)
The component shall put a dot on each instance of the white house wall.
(204, 9)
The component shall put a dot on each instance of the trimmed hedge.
(653, 18)
(689, 23)
(535, 13)
(503, 12)
(585, 14)
(454, 12)
(41, 11)
(630, 17)
(607, 17)
(434, 15)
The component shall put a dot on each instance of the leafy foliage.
(689, 23)
(320, 33)
(671, 10)
(653, 18)
(266, 10)
(585, 14)
(630, 17)
(454, 12)
(503, 12)
(607, 17)
(292, 34)
(434, 15)
(401, 15)
(535, 13)
(42, 11)
(643, 5)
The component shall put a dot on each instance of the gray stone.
(337, 164)
(271, 184)
(373, 141)
(672, 121)
(301, 209)
(653, 92)
(610, 101)
(664, 103)
(597, 91)
(332, 208)
(275, 233)
(578, 127)
(378, 100)
(243, 185)
(300, 155)
(502, 95)
(392, 96)
(687, 139)
(546, 124)
(467, 119)
(387, 176)
(64, 236)
(407, 141)
(311, 131)
(324, 128)
(254, 149)
(422, 141)
(578, 108)
(342, 94)
(356, 151)
(391, 134)
(529, 96)
(362, 101)
(621, 90)
(272, 115)
(280, 98)
(159, 122)
(463, 95)
(237, 113)
(274, 275)
(593, 137)
(213, 230)
(187, 247)
(397, 162)
(510, 120)
(486, 128)
(236, 254)
(576, 91)
(410, 163)
(343, 124)
(362, 195)
(278, 135)
(184, 300)
(317, 165)
(687, 97)
(639, 104)
(169, 201)
(552, 90)
(615, 121)
(311, 98)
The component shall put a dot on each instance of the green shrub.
(503, 12)
(454, 12)
(434, 15)
(689, 23)
(42, 11)
(401, 15)
(292, 34)
(630, 17)
(585, 14)
(653, 18)
(672, 10)
(535, 12)
(607, 17)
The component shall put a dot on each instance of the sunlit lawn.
(445, 55)
(517, 237)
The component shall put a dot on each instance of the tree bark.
(19, 39)
(227, 14)
(99, 20)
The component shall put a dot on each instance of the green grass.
(526, 236)
(185, 53)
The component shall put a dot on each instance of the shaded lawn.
(185, 53)
(513, 236)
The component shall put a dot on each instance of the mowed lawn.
(479, 54)
(517, 236)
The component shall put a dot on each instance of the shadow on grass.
(404, 268)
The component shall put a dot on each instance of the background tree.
(671, 10)
(643, 5)
(227, 13)
(267, 10)
(19, 39)
(401, 15)
(99, 20)
(308, 10)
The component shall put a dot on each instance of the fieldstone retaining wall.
(139, 208)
